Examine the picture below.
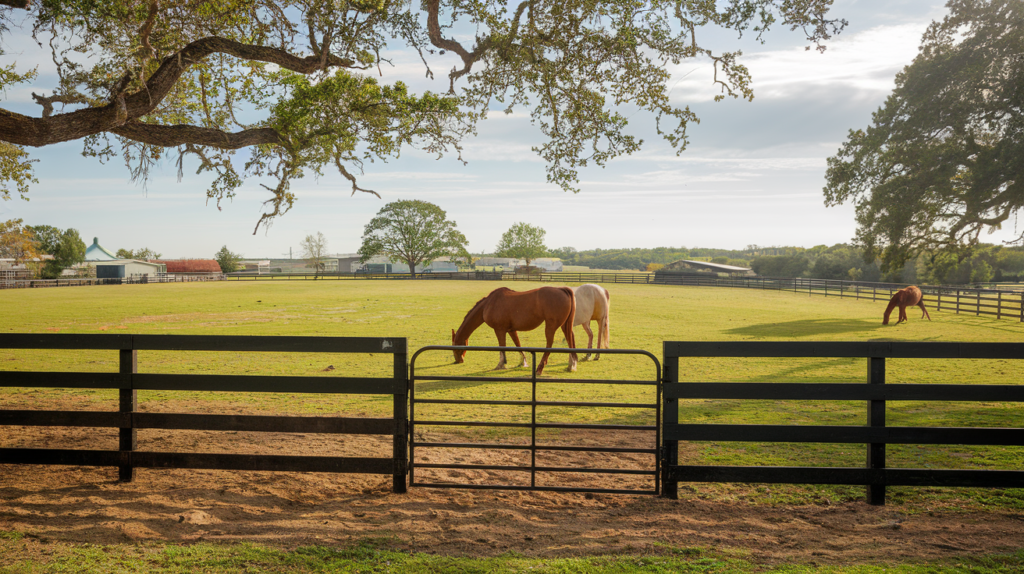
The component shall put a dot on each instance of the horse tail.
(606, 322)
(567, 326)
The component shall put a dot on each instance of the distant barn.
(190, 266)
(687, 267)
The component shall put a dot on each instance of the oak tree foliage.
(227, 259)
(943, 160)
(292, 82)
(413, 232)
(17, 242)
(67, 250)
(522, 241)
(142, 254)
(313, 249)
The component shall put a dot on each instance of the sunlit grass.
(643, 316)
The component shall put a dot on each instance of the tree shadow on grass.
(807, 327)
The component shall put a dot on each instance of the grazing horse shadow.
(806, 327)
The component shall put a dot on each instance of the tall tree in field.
(139, 254)
(227, 260)
(47, 236)
(522, 241)
(17, 242)
(69, 250)
(413, 232)
(145, 79)
(314, 250)
(943, 160)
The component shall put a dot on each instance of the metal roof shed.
(123, 268)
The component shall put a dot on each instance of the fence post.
(400, 440)
(128, 403)
(670, 448)
(876, 418)
(999, 305)
(957, 301)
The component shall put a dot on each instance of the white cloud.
(864, 62)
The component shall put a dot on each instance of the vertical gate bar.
(657, 432)
(401, 437)
(412, 422)
(533, 422)
(128, 400)
(876, 418)
(670, 458)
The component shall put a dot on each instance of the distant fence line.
(998, 303)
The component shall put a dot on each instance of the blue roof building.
(96, 252)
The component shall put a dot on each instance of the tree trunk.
(412, 268)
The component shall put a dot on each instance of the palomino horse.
(508, 312)
(593, 304)
(904, 298)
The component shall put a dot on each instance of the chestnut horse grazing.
(593, 304)
(904, 298)
(508, 312)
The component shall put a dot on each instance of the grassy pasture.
(643, 316)
(425, 312)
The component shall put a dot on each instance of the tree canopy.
(943, 160)
(142, 254)
(314, 251)
(284, 80)
(17, 242)
(68, 250)
(227, 259)
(413, 232)
(522, 241)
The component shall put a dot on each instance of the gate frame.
(533, 425)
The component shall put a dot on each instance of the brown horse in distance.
(904, 298)
(508, 312)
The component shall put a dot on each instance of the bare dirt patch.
(88, 505)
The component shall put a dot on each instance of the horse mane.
(473, 308)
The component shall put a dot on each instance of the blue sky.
(753, 172)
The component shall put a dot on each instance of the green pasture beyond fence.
(876, 392)
(998, 303)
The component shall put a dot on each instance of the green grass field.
(643, 316)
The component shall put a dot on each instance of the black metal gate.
(645, 453)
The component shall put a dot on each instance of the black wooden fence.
(128, 381)
(875, 435)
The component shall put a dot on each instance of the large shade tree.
(522, 241)
(413, 232)
(943, 160)
(282, 79)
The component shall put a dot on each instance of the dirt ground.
(87, 504)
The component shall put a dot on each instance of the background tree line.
(948, 266)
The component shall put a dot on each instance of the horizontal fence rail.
(128, 420)
(654, 471)
(876, 435)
